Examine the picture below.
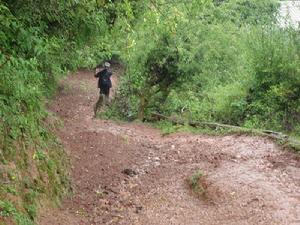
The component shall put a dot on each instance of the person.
(104, 83)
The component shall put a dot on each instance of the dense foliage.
(225, 61)
(39, 42)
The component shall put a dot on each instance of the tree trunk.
(142, 107)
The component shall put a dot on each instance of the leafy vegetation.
(223, 61)
(196, 183)
(40, 42)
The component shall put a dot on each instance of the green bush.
(40, 42)
(224, 61)
(273, 98)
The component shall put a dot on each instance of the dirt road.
(249, 180)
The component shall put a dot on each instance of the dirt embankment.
(129, 174)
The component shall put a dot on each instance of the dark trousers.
(103, 98)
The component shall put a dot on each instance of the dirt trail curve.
(249, 179)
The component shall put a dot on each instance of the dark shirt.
(104, 78)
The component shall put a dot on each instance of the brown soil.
(130, 174)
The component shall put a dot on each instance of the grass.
(34, 172)
(195, 183)
(167, 128)
(7, 209)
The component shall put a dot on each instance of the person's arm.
(109, 75)
(98, 72)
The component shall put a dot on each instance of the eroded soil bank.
(249, 180)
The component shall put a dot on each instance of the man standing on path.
(104, 83)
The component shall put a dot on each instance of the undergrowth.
(32, 172)
(40, 42)
(168, 127)
(228, 62)
(195, 183)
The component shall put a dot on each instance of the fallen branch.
(5, 182)
(284, 139)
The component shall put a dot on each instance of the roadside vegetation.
(40, 41)
(214, 61)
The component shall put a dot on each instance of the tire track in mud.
(249, 180)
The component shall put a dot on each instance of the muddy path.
(130, 174)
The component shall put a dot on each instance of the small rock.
(129, 172)
(138, 209)
(156, 164)
(156, 159)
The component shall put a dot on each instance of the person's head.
(107, 65)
